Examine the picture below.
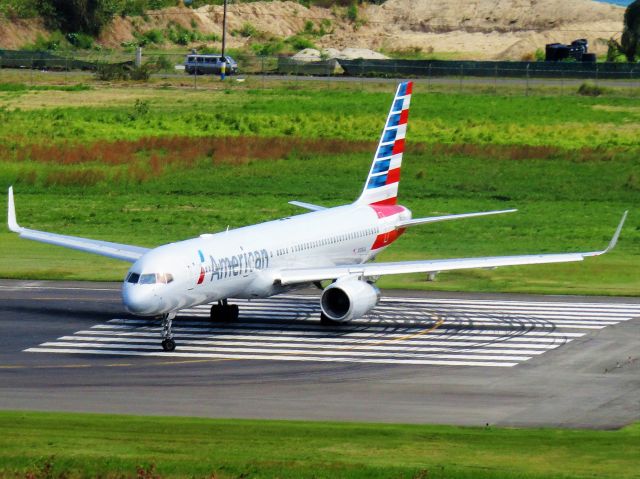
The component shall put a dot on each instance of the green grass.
(570, 164)
(55, 445)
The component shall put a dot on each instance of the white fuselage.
(242, 263)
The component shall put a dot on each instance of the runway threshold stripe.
(82, 340)
(493, 341)
(269, 357)
(347, 352)
(325, 333)
(348, 336)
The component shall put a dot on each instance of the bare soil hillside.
(474, 29)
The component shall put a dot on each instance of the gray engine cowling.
(348, 299)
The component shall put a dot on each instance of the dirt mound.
(492, 28)
(15, 34)
(476, 29)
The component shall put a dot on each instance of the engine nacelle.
(348, 299)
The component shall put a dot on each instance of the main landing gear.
(168, 343)
(224, 312)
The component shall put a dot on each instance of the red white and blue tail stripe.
(382, 184)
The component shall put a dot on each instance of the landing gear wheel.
(168, 345)
(327, 321)
(224, 312)
(233, 312)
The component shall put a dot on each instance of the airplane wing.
(104, 248)
(306, 275)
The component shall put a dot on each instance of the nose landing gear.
(168, 343)
(224, 312)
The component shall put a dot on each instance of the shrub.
(111, 72)
(182, 36)
(120, 71)
(589, 89)
(161, 63)
(309, 27)
(298, 42)
(153, 37)
(55, 41)
(142, 73)
(247, 31)
(352, 11)
(80, 40)
(270, 48)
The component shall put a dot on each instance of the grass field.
(152, 165)
(52, 445)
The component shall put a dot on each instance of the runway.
(469, 359)
(444, 332)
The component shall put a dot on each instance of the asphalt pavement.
(445, 358)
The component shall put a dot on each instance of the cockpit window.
(150, 278)
(147, 279)
(165, 277)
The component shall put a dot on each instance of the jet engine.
(348, 299)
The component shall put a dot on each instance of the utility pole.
(223, 67)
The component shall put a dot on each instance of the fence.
(525, 76)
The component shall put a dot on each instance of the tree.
(85, 16)
(630, 44)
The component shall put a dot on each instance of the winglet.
(614, 239)
(11, 215)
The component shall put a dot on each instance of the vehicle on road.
(258, 261)
(196, 64)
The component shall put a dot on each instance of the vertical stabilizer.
(381, 187)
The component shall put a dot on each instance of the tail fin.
(381, 187)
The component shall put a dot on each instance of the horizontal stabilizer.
(307, 206)
(435, 219)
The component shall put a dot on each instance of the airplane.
(258, 261)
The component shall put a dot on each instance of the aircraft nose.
(138, 299)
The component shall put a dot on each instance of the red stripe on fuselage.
(385, 239)
(201, 278)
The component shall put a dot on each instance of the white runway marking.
(445, 332)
